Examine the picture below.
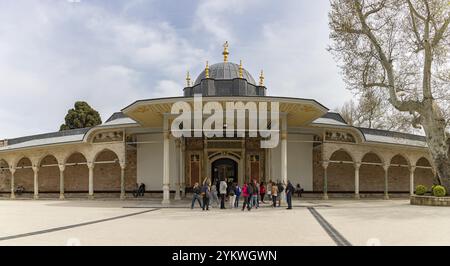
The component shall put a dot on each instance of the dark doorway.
(224, 168)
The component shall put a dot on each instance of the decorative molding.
(338, 136)
(110, 136)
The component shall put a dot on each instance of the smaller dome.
(225, 71)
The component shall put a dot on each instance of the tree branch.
(440, 33)
(411, 7)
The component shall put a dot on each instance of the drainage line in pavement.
(331, 231)
(73, 226)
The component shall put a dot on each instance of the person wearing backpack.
(255, 194)
(274, 194)
(280, 192)
(250, 190)
(237, 192)
(205, 195)
(196, 195)
(262, 191)
(246, 195)
(232, 195)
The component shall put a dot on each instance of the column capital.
(412, 168)
(12, 170)
(123, 164)
(166, 134)
(35, 168)
(90, 165)
(357, 165)
(386, 167)
(178, 142)
(325, 164)
(62, 167)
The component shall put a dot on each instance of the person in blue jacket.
(237, 192)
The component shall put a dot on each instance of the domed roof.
(225, 71)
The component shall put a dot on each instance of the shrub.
(439, 191)
(421, 190)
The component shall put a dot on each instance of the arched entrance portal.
(224, 168)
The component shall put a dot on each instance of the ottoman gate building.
(316, 149)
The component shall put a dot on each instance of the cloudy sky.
(113, 52)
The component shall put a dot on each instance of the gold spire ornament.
(188, 79)
(261, 79)
(207, 70)
(241, 70)
(225, 52)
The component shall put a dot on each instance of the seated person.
(141, 190)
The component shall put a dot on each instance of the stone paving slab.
(360, 222)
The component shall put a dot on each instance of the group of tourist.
(252, 193)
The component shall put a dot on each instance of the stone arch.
(371, 173)
(341, 172)
(24, 175)
(76, 173)
(333, 152)
(48, 181)
(5, 177)
(107, 171)
(228, 155)
(101, 151)
(399, 173)
(423, 174)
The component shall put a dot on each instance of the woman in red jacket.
(262, 191)
(246, 196)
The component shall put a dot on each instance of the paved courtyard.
(312, 222)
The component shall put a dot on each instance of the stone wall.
(398, 180)
(76, 177)
(341, 175)
(5, 180)
(317, 169)
(423, 177)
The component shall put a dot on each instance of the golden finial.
(188, 79)
(261, 79)
(241, 74)
(207, 70)
(225, 52)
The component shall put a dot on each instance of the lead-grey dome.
(225, 71)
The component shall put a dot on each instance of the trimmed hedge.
(421, 190)
(439, 191)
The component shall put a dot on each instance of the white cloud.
(54, 53)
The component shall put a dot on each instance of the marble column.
(412, 170)
(177, 182)
(166, 165)
(284, 158)
(386, 181)
(182, 169)
(357, 167)
(62, 168)
(13, 190)
(325, 180)
(90, 166)
(122, 180)
(36, 182)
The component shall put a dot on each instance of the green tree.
(81, 116)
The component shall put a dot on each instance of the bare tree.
(371, 111)
(366, 113)
(402, 48)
